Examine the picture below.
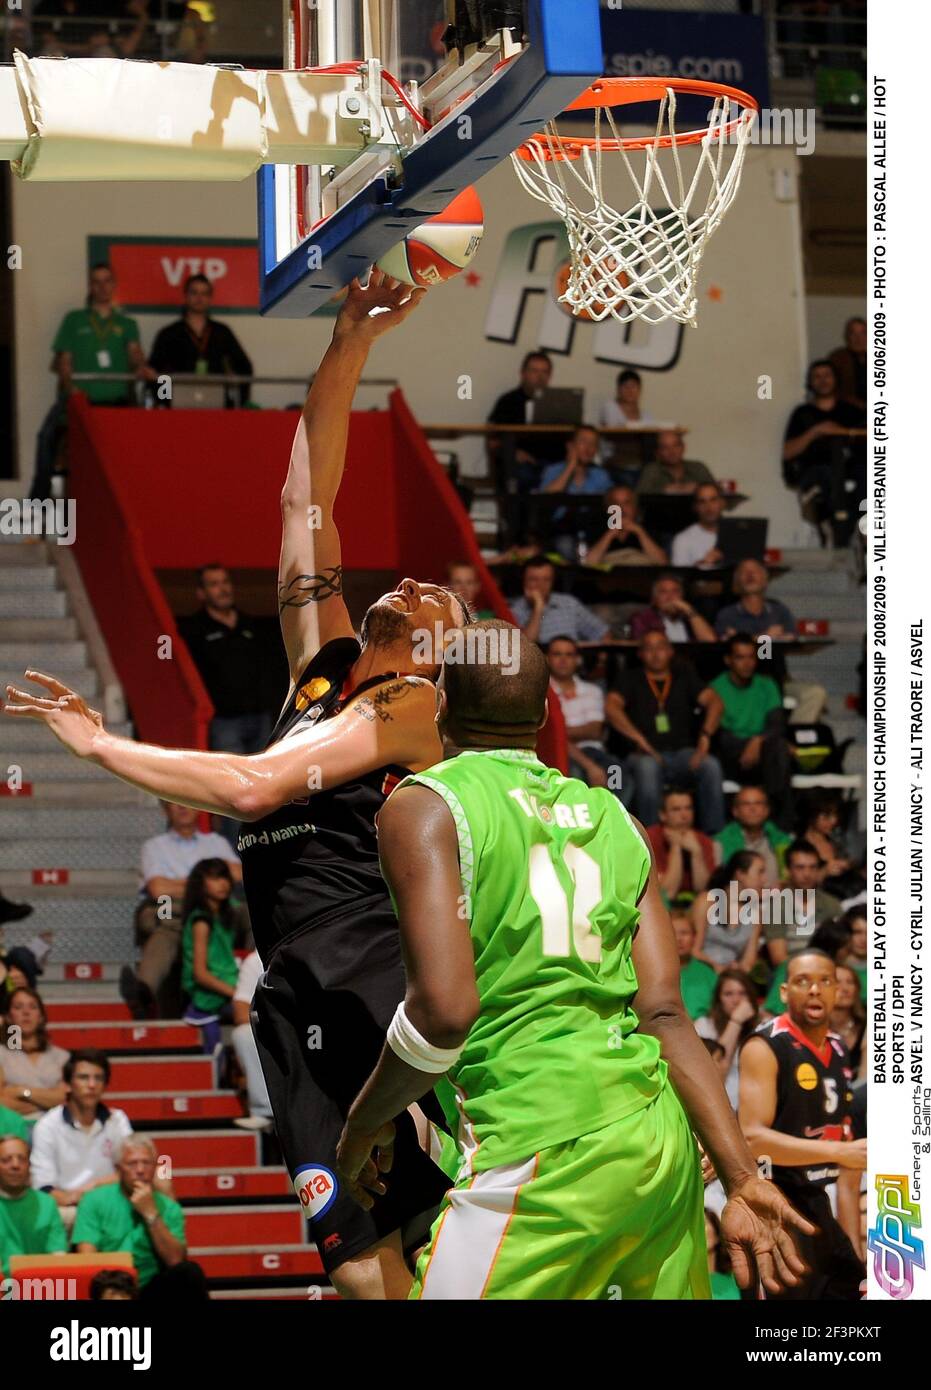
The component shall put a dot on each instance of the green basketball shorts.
(616, 1214)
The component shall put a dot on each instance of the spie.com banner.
(151, 271)
(899, 652)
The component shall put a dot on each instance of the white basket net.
(641, 263)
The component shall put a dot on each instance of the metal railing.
(289, 394)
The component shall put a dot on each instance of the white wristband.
(405, 1042)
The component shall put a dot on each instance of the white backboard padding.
(85, 120)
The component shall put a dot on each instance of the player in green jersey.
(532, 925)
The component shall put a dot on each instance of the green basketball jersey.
(551, 874)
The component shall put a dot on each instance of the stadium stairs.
(69, 845)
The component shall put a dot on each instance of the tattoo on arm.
(389, 695)
(364, 707)
(310, 588)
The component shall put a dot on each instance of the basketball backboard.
(456, 109)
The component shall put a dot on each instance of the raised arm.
(310, 573)
(399, 729)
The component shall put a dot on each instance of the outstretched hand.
(375, 308)
(755, 1227)
(66, 713)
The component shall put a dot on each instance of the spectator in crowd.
(802, 1130)
(751, 742)
(811, 460)
(759, 616)
(684, 856)
(848, 1017)
(260, 1109)
(624, 411)
(723, 1283)
(198, 345)
(625, 541)
(167, 861)
(820, 826)
(132, 1215)
(74, 1146)
(671, 472)
(697, 978)
(31, 1067)
(849, 363)
(583, 709)
(733, 1016)
(97, 338)
(463, 579)
(544, 615)
(653, 708)
(110, 1285)
(669, 612)
(751, 828)
(30, 1223)
(527, 451)
(579, 474)
(209, 972)
(727, 924)
(13, 912)
(231, 655)
(698, 545)
(810, 904)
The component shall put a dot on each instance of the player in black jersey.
(358, 718)
(795, 1112)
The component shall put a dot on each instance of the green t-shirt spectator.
(13, 1125)
(30, 1225)
(746, 706)
(221, 961)
(108, 1220)
(697, 981)
(99, 344)
(733, 838)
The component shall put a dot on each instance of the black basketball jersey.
(316, 858)
(812, 1095)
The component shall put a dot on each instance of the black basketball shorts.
(320, 1015)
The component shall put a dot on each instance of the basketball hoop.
(640, 263)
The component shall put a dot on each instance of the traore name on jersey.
(812, 1095)
(316, 858)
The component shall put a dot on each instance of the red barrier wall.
(166, 697)
(173, 489)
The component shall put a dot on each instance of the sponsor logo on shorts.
(333, 1242)
(316, 1189)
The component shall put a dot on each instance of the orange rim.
(629, 91)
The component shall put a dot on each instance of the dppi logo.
(897, 1251)
(535, 263)
(316, 1189)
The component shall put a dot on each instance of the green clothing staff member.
(98, 338)
(130, 1215)
(29, 1221)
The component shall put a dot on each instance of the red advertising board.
(151, 271)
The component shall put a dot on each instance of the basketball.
(441, 247)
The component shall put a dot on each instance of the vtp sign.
(151, 271)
